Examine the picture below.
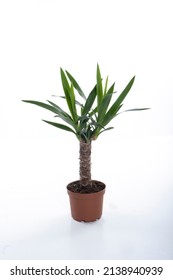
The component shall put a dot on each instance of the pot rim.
(86, 195)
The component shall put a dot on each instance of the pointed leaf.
(102, 109)
(76, 85)
(125, 92)
(104, 106)
(136, 109)
(111, 89)
(99, 86)
(117, 104)
(67, 92)
(59, 109)
(72, 95)
(111, 114)
(77, 102)
(109, 128)
(61, 126)
(93, 112)
(63, 115)
(67, 120)
(89, 102)
(106, 85)
(43, 105)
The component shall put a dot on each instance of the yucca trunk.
(85, 163)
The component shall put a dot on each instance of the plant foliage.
(88, 118)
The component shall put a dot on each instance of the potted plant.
(86, 119)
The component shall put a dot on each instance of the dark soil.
(94, 187)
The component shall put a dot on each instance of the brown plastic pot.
(86, 207)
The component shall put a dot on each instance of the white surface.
(135, 160)
(137, 220)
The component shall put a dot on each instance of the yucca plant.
(88, 115)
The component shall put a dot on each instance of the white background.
(134, 160)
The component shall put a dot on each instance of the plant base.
(86, 207)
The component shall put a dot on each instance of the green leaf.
(77, 102)
(76, 85)
(106, 85)
(125, 92)
(96, 132)
(106, 130)
(117, 104)
(72, 94)
(43, 105)
(83, 122)
(67, 91)
(112, 112)
(67, 120)
(89, 102)
(99, 86)
(102, 109)
(96, 124)
(83, 135)
(111, 89)
(136, 109)
(59, 109)
(63, 115)
(93, 112)
(61, 126)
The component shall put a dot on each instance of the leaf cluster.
(88, 118)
